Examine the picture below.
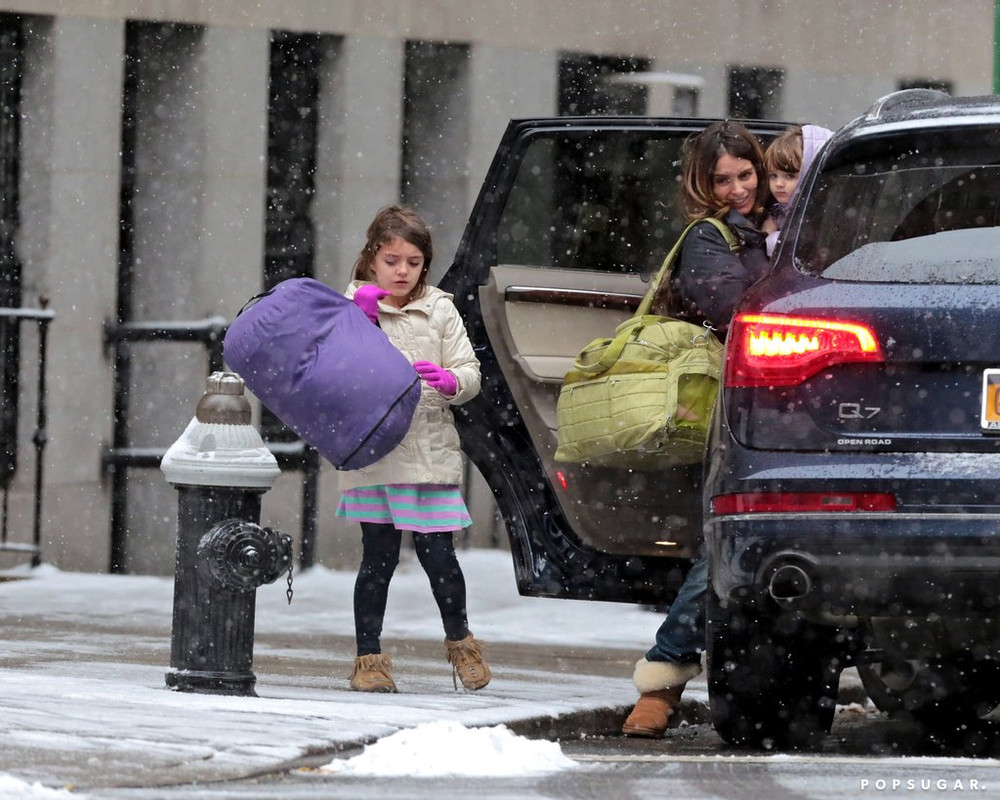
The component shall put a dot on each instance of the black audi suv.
(851, 505)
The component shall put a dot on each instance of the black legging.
(436, 553)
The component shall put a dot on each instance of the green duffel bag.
(644, 398)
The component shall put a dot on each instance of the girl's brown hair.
(785, 152)
(700, 153)
(395, 222)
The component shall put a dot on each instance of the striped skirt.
(422, 508)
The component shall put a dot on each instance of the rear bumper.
(866, 564)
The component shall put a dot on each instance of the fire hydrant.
(221, 468)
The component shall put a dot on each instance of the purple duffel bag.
(311, 356)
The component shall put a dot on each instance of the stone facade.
(412, 98)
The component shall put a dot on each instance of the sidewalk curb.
(608, 721)
(574, 725)
(586, 723)
(601, 721)
(592, 722)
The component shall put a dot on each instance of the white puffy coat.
(426, 329)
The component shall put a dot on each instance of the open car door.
(573, 220)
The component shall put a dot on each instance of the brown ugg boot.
(372, 673)
(660, 684)
(468, 664)
(651, 714)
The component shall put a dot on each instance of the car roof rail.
(906, 98)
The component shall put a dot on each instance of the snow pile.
(13, 789)
(449, 748)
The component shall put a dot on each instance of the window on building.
(667, 94)
(292, 126)
(755, 92)
(588, 85)
(11, 70)
(685, 102)
(292, 115)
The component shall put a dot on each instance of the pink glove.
(366, 298)
(437, 377)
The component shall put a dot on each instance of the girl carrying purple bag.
(415, 487)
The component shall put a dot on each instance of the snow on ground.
(83, 701)
(322, 603)
(449, 748)
(13, 789)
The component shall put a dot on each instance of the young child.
(789, 155)
(416, 486)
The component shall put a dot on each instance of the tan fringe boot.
(468, 664)
(372, 673)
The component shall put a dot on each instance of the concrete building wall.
(361, 124)
(436, 135)
(853, 36)
(201, 156)
(68, 243)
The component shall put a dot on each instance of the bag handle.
(668, 262)
(254, 299)
(613, 350)
(628, 330)
(631, 326)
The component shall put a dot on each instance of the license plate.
(990, 419)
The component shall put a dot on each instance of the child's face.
(782, 184)
(397, 266)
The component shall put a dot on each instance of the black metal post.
(41, 436)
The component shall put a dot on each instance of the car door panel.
(573, 219)
(548, 317)
(548, 323)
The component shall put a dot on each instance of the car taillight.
(773, 350)
(786, 502)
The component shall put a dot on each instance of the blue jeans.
(681, 636)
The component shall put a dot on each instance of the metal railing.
(42, 316)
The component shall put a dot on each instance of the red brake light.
(772, 350)
(784, 502)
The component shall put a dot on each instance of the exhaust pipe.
(789, 582)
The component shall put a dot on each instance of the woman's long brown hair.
(700, 153)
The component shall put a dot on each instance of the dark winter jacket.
(709, 279)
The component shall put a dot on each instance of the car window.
(593, 200)
(913, 207)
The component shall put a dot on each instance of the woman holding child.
(723, 177)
